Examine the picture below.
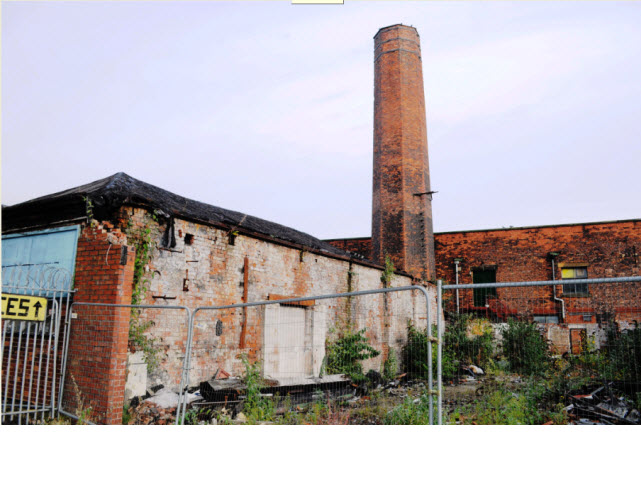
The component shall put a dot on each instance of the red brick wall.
(401, 220)
(610, 250)
(98, 341)
(521, 254)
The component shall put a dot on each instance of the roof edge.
(604, 222)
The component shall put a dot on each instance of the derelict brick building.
(209, 256)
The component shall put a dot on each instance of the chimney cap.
(396, 25)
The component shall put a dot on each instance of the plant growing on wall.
(144, 244)
(388, 272)
(88, 209)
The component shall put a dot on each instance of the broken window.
(575, 273)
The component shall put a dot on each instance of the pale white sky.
(266, 107)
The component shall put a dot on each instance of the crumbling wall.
(97, 354)
(206, 267)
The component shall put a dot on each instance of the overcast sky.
(533, 108)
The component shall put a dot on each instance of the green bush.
(345, 354)
(525, 349)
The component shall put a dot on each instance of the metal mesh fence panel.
(31, 352)
(543, 352)
(110, 344)
(313, 360)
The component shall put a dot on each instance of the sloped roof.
(109, 194)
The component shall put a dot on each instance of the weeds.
(256, 407)
(410, 412)
(82, 412)
(191, 417)
(500, 405)
(388, 273)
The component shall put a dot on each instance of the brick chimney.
(402, 206)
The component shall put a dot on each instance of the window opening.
(574, 273)
(481, 295)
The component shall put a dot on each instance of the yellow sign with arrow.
(23, 307)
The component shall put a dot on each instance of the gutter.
(557, 299)
(457, 268)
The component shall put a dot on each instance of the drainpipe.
(457, 268)
(553, 255)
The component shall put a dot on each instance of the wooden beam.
(305, 303)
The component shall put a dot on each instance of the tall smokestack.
(402, 206)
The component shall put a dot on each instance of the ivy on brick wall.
(142, 239)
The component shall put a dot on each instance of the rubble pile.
(157, 407)
(147, 413)
(602, 406)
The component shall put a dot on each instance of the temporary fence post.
(181, 408)
(439, 348)
(430, 370)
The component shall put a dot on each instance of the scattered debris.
(167, 398)
(231, 390)
(602, 406)
(149, 414)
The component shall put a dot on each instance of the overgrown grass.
(413, 411)
(501, 405)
